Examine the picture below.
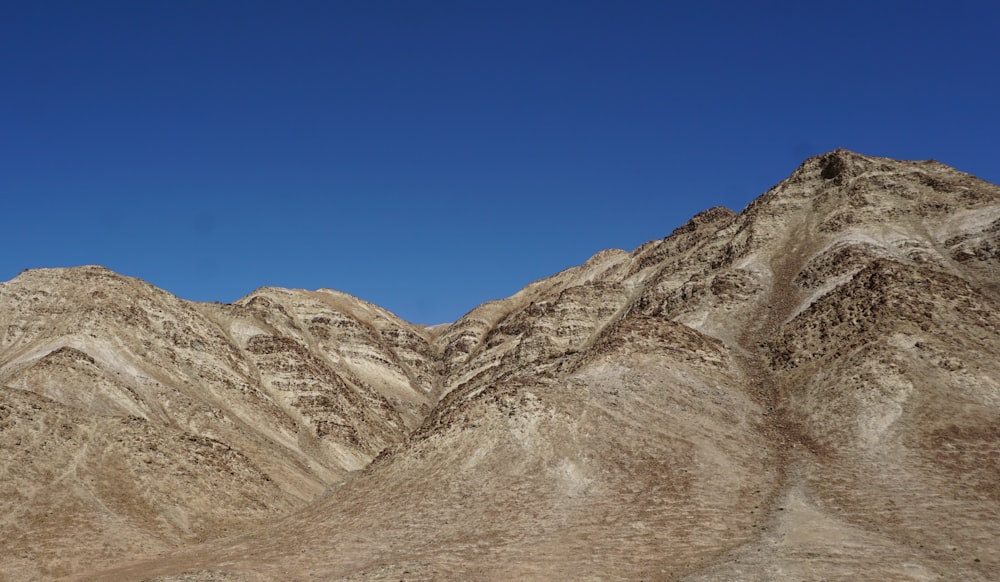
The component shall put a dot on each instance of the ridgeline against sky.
(805, 390)
(431, 156)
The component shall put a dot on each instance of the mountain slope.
(195, 398)
(806, 389)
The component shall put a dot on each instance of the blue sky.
(429, 156)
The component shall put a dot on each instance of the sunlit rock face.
(809, 389)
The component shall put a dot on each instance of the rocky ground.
(809, 389)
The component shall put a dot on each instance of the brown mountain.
(809, 389)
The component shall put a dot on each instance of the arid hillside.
(808, 389)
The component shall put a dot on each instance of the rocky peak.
(840, 162)
(837, 164)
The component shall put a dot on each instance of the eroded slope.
(266, 403)
(804, 390)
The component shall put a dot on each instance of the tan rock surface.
(809, 389)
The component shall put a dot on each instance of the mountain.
(809, 389)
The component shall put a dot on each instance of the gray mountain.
(809, 389)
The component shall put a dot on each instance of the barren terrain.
(808, 389)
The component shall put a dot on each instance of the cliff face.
(808, 388)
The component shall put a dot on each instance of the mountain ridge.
(728, 391)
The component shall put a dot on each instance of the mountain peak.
(839, 161)
(840, 164)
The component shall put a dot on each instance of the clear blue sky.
(429, 156)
